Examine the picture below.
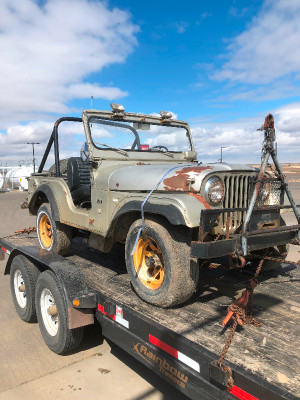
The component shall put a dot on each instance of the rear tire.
(53, 235)
(23, 278)
(62, 166)
(161, 270)
(52, 314)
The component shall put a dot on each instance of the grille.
(238, 193)
(236, 196)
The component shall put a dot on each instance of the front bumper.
(232, 246)
(259, 236)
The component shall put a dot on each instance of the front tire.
(23, 278)
(161, 269)
(53, 235)
(52, 314)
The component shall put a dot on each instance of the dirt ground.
(98, 369)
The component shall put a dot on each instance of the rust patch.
(184, 179)
(117, 185)
(268, 224)
(91, 221)
(201, 199)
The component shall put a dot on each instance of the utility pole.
(33, 143)
(221, 159)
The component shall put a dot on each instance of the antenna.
(92, 102)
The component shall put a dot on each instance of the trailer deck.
(180, 343)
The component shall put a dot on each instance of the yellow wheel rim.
(45, 231)
(149, 263)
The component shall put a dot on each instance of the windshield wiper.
(113, 148)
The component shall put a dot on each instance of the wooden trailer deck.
(269, 354)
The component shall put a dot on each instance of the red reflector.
(101, 308)
(241, 394)
(164, 346)
(4, 249)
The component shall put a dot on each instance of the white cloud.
(47, 51)
(268, 49)
(241, 138)
(244, 142)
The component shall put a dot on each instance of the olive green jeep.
(138, 182)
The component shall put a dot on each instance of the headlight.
(214, 190)
(265, 191)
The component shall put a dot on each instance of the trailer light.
(5, 250)
(76, 303)
(117, 107)
(166, 114)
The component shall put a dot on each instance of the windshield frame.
(118, 123)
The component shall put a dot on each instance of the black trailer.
(180, 344)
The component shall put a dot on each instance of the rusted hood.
(144, 177)
(180, 177)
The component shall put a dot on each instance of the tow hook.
(237, 262)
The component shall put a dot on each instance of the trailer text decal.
(165, 367)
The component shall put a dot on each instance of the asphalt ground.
(98, 369)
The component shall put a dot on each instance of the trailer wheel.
(23, 277)
(161, 269)
(53, 235)
(52, 314)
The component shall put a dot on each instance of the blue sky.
(220, 65)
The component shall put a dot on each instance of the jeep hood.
(180, 177)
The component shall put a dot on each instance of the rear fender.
(44, 192)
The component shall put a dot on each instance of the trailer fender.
(12, 255)
(74, 286)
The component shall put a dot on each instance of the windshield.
(134, 136)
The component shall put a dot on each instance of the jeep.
(138, 182)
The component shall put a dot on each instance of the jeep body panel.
(180, 178)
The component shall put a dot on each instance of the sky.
(220, 65)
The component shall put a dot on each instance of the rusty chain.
(20, 232)
(276, 173)
(276, 259)
(241, 313)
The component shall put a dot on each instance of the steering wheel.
(159, 147)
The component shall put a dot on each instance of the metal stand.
(268, 150)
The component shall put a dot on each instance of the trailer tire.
(23, 278)
(174, 276)
(52, 314)
(53, 235)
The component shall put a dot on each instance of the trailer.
(181, 344)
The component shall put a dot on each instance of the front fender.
(178, 209)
